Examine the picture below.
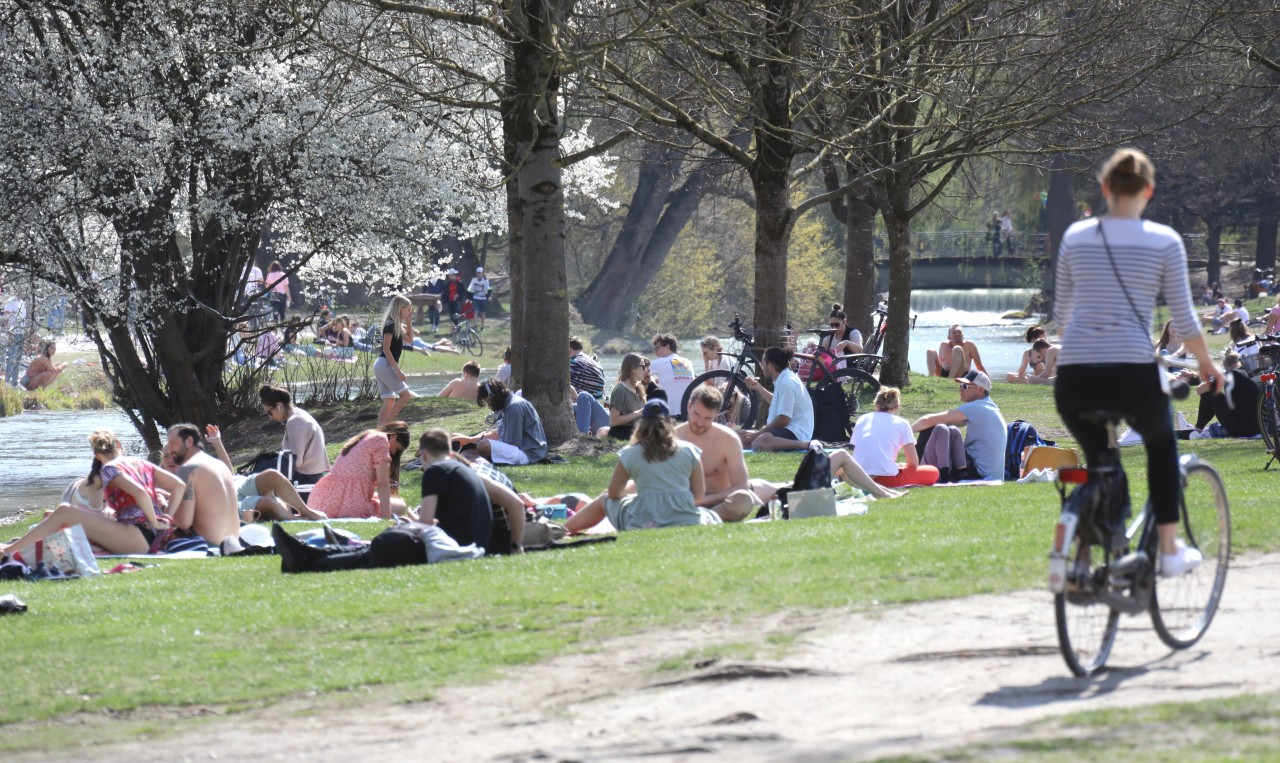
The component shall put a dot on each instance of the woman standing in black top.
(397, 332)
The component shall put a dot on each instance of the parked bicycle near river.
(465, 337)
(848, 390)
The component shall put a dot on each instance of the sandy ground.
(847, 687)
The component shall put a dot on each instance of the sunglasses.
(964, 386)
(835, 325)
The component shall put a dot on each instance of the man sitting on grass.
(1240, 421)
(465, 387)
(208, 507)
(984, 439)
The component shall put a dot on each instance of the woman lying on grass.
(130, 491)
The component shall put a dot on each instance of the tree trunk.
(860, 266)
(1213, 245)
(773, 233)
(771, 171)
(608, 299)
(544, 271)
(1268, 217)
(897, 339)
(1060, 213)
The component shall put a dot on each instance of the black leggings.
(1133, 389)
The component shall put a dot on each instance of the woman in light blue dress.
(668, 480)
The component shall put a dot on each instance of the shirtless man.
(954, 357)
(209, 504)
(729, 492)
(466, 387)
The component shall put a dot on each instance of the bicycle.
(827, 370)
(1095, 578)
(465, 337)
(741, 403)
(1269, 415)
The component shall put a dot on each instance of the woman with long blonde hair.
(397, 333)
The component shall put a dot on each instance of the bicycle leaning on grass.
(465, 337)
(1100, 567)
(741, 403)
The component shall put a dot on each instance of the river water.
(41, 453)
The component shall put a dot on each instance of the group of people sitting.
(128, 505)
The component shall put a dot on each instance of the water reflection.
(42, 452)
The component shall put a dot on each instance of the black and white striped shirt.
(1096, 321)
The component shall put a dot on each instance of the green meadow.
(234, 634)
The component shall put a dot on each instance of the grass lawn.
(1235, 728)
(234, 634)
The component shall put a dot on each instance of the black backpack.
(830, 414)
(814, 473)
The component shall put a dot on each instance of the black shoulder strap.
(1146, 329)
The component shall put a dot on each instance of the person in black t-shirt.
(397, 333)
(1241, 421)
(455, 499)
(453, 495)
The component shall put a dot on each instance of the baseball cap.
(479, 270)
(976, 378)
(453, 272)
(656, 409)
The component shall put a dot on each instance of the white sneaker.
(1186, 560)
(1196, 435)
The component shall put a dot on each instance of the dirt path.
(903, 679)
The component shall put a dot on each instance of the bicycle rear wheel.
(473, 343)
(859, 387)
(1269, 417)
(1183, 607)
(740, 404)
(1086, 626)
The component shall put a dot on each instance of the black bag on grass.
(814, 473)
(269, 459)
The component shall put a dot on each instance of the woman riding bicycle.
(1110, 271)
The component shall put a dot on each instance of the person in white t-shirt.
(480, 288)
(880, 436)
(1241, 312)
(673, 372)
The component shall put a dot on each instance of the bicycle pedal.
(1127, 567)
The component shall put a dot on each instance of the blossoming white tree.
(146, 145)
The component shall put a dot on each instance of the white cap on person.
(976, 378)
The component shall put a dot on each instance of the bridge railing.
(968, 244)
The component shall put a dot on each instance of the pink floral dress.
(348, 490)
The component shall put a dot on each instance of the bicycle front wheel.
(1183, 607)
(740, 404)
(1086, 626)
(473, 343)
(1268, 418)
